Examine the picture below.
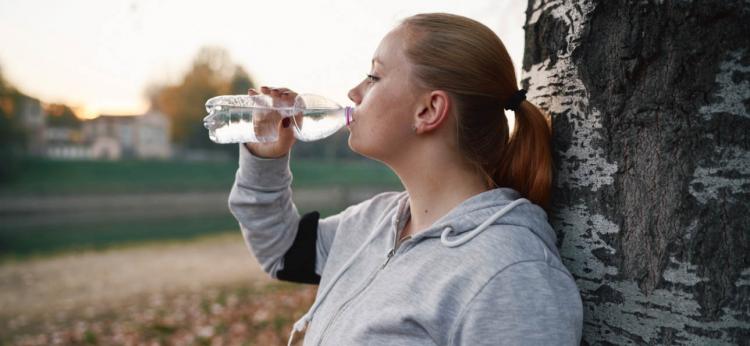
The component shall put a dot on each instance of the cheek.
(383, 123)
(380, 137)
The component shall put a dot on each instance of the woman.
(464, 256)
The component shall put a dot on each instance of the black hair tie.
(515, 100)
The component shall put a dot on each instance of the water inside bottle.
(316, 123)
(243, 124)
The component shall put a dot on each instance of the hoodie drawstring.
(301, 324)
(473, 233)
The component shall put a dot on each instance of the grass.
(55, 177)
(342, 173)
(96, 236)
(46, 241)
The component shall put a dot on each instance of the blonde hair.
(466, 59)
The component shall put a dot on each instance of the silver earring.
(414, 128)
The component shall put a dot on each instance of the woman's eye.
(372, 79)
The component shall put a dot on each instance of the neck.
(436, 183)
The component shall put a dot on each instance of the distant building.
(130, 136)
(32, 119)
(112, 137)
(66, 143)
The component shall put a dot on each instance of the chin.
(353, 145)
(359, 147)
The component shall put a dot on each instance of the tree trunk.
(649, 103)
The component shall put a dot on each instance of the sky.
(100, 56)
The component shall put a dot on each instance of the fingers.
(269, 90)
(278, 92)
(272, 124)
(281, 96)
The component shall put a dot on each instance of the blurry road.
(103, 278)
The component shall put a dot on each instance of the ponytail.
(526, 163)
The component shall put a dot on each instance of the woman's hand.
(279, 148)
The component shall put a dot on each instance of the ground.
(206, 291)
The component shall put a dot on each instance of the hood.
(500, 206)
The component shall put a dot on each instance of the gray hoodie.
(487, 273)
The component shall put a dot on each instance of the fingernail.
(285, 123)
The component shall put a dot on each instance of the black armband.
(299, 260)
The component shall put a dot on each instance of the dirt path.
(97, 278)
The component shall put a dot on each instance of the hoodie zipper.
(363, 288)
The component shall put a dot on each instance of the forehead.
(390, 51)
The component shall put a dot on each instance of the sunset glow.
(99, 57)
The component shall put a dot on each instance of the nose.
(355, 95)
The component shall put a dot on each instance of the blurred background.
(114, 227)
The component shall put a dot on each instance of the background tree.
(649, 103)
(12, 133)
(60, 115)
(212, 73)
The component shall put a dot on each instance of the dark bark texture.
(650, 106)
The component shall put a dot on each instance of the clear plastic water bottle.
(246, 118)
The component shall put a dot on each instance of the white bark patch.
(580, 240)
(729, 170)
(744, 279)
(583, 164)
(682, 273)
(638, 314)
(733, 92)
(566, 11)
(690, 230)
(731, 174)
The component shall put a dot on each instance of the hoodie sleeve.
(527, 303)
(261, 201)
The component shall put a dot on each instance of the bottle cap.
(349, 112)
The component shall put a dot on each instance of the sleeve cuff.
(263, 173)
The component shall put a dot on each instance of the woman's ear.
(433, 111)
